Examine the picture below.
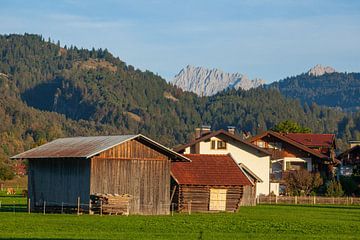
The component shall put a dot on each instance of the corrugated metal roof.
(86, 147)
(209, 169)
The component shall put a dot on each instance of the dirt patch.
(133, 116)
(95, 64)
(169, 96)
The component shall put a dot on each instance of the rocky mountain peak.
(206, 82)
(319, 70)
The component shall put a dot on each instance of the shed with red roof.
(209, 183)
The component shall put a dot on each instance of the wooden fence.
(308, 200)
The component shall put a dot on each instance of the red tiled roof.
(206, 169)
(290, 141)
(311, 139)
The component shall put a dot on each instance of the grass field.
(261, 222)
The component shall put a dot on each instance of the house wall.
(198, 198)
(58, 180)
(255, 161)
(136, 169)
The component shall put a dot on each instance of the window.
(213, 144)
(296, 165)
(261, 144)
(221, 145)
(278, 145)
(217, 199)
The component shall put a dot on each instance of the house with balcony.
(223, 142)
(288, 153)
(350, 159)
(324, 143)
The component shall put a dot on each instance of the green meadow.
(260, 222)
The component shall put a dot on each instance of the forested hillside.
(48, 91)
(331, 89)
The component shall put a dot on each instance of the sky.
(268, 39)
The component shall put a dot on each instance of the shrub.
(302, 182)
(6, 172)
(350, 185)
(334, 189)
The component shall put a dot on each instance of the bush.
(350, 185)
(302, 182)
(334, 189)
(6, 173)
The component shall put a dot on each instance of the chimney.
(245, 134)
(231, 130)
(201, 131)
(205, 129)
(197, 133)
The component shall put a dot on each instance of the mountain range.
(48, 91)
(322, 85)
(207, 82)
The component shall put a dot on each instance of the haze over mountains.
(207, 82)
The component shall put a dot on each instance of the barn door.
(217, 199)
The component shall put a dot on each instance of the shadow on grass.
(44, 238)
(13, 208)
(315, 206)
(12, 196)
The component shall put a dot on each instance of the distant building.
(350, 161)
(225, 142)
(67, 168)
(324, 143)
(313, 152)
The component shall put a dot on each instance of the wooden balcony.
(276, 153)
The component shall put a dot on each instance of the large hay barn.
(68, 169)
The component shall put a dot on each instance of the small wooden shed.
(66, 169)
(208, 183)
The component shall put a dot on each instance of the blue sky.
(269, 39)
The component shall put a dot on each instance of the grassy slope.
(261, 222)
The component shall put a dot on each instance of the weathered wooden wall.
(58, 180)
(249, 196)
(199, 196)
(136, 169)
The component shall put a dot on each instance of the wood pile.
(111, 203)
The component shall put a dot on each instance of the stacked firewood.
(111, 203)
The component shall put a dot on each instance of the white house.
(227, 142)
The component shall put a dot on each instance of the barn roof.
(87, 147)
(220, 133)
(206, 169)
(312, 139)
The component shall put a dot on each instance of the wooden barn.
(68, 169)
(208, 183)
